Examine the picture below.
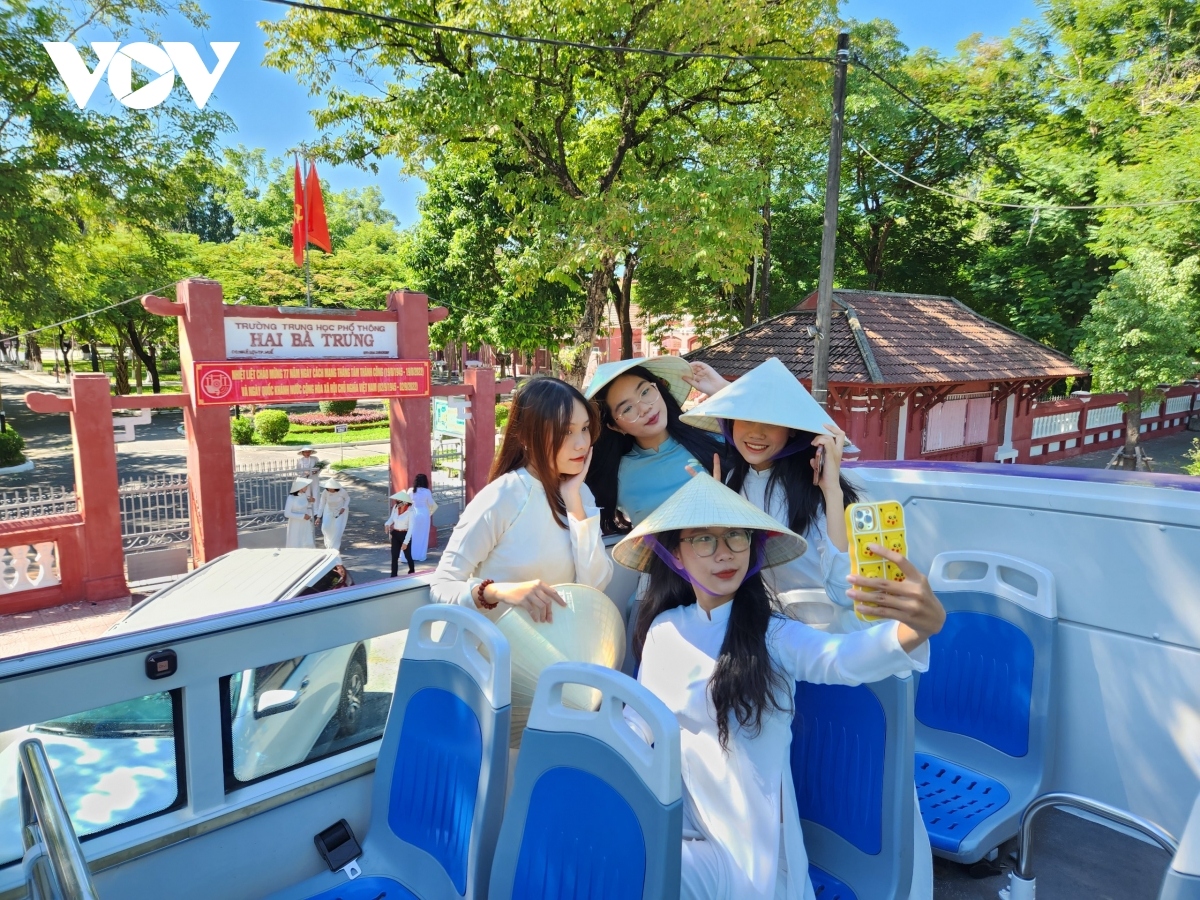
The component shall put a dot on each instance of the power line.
(917, 104)
(97, 312)
(1031, 207)
(550, 42)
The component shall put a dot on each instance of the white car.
(118, 763)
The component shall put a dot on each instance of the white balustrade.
(1101, 416)
(1179, 404)
(1059, 423)
(16, 563)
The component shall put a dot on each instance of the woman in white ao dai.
(717, 652)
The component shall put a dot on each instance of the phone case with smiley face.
(875, 523)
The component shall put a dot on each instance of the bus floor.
(1073, 859)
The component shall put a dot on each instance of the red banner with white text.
(277, 381)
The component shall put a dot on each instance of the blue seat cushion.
(980, 681)
(954, 800)
(436, 779)
(582, 841)
(369, 888)
(839, 741)
(826, 887)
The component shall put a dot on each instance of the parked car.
(118, 763)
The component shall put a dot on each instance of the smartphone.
(875, 523)
(820, 468)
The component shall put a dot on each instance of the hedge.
(11, 447)
(337, 407)
(360, 417)
(242, 430)
(271, 425)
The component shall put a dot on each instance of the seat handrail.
(42, 805)
(1096, 808)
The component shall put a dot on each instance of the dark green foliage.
(12, 446)
(338, 407)
(242, 430)
(271, 425)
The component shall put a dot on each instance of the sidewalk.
(1168, 454)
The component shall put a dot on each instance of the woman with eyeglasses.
(715, 649)
(642, 453)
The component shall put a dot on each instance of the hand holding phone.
(875, 523)
(818, 465)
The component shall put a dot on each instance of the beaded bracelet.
(479, 601)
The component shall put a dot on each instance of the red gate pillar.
(96, 487)
(410, 420)
(210, 447)
(479, 448)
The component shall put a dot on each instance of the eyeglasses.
(632, 410)
(704, 545)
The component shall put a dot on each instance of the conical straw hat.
(307, 448)
(670, 368)
(589, 629)
(768, 393)
(402, 496)
(332, 485)
(299, 484)
(704, 503)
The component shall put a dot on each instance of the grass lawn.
(359, 462)
(382, 433)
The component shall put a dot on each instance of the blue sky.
(271, 110)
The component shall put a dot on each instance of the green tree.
(57, 161)
(599, 143)
(1140, 333)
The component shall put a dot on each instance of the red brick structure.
(913, 376)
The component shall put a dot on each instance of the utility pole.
(833, 183)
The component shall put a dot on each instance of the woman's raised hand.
(910, 602)
(716, 472)
(570, 491)
(536, 597)
(827, 464)
(705, 379)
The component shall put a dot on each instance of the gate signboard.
(294, 337)
(286, 381)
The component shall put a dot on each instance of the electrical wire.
(97, 312)
(550, 42)
(1031, 207)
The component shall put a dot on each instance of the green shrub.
(1193, 455)
(168, 367)
(338, 407)
(242, 430)
(502, 410)
(11, 445)
(271, 425)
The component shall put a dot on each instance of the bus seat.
(596, 812)
(438, 794)
(1182, 881)
(984, 725)
(852, 750)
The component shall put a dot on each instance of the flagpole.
(307, 276)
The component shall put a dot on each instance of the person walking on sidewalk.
(399, 525)
(299, 515)
(423, 509)
(333, 510)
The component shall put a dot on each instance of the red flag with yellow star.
(299, 224)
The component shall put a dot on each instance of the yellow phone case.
(875, 523)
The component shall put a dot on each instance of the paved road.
(1169, 453)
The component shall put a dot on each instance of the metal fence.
(28, 503)
(155, 511)
(448, 486)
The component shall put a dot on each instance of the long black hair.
(611, 445)
(745, 682)
(794, 476)
(421, 481)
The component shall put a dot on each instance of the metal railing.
(32, 502)
(447, 483)
(1022, 884)
(47, 833)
